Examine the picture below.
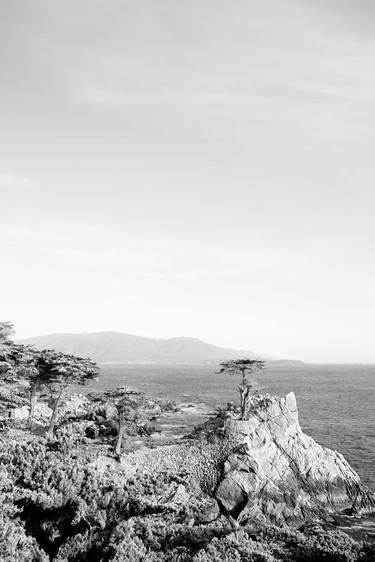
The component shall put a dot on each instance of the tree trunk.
(54, 414)
(120, 433)
(33, 400)
(242, 389)
(244, 392)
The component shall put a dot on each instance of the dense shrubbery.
(63, 503)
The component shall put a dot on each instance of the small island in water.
(92, 477)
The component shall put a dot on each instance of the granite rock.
(276, 472)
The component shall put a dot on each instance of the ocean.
(336, 403)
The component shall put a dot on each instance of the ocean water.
(336, 403)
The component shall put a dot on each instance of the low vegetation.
(57, 506)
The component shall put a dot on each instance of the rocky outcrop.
(276, 472)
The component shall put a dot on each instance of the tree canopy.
(63, 369)
(241, 367)
(58, 370)
(18, 362)
(17, 372)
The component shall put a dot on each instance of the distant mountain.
(117, 347)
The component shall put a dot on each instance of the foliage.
(17, 362)
(17, 372)
(56, 368)
(317, 544)
(241, 367)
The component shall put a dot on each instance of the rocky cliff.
(276, 472)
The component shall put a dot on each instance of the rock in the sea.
(276, 472)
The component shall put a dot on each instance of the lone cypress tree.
(242, 367)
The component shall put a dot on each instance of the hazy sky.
(191, 167)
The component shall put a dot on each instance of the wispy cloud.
(13, 181)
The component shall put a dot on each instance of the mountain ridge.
(121, 347)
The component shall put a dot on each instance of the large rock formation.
(276, 472)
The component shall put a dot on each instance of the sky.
(201, 168)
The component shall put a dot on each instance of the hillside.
(117, 347)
